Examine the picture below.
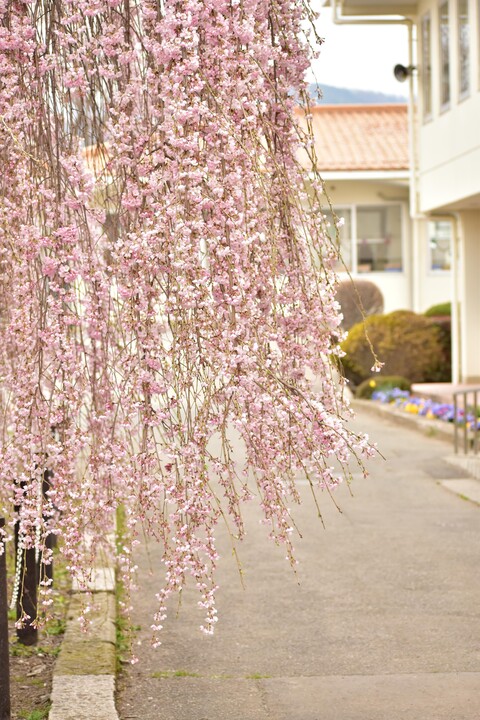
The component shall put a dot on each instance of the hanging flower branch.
(164, 281)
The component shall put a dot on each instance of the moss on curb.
(95, 657)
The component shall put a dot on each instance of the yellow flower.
(372, 383)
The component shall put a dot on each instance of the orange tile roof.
(358, 137)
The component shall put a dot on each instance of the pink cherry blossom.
(166, 280)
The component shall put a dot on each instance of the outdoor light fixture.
(402, 73)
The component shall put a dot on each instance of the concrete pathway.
(384, 623)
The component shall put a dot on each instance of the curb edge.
(83, 682)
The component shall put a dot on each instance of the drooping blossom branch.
(166, 277)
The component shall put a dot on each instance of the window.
(379, 238)
(370, 238)
(463, 48)
(440, 245)
(426, 66)
(444, 56)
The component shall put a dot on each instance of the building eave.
(380, 8)
(371, 175)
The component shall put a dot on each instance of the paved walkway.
(384, 624)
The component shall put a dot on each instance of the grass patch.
(38, 714)
(123, 629)
(19, 650)
(166, 674)
(56, 627)
(34, 682)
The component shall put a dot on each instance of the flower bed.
(425, 407)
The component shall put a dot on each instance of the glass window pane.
(426, 66)
(463, 47)
(440, 245)
(379, 239)
(344, 236)
(444, 55)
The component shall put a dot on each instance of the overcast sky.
(361, 56)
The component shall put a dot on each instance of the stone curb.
(432, 428)
(468, 488)
(83, 685)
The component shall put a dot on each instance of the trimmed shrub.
(355, 295)
(442, 310)
(408, 344)
(444, 325)
(381, 382)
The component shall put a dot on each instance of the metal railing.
(466, 419)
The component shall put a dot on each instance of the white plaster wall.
(469, 296)
(435, 289)
(417, 287)
(450, 169)
(395, 286)
(430, 287)
(366, 192)
(449, 143)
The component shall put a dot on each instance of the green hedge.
(411, 346)
(439, 310)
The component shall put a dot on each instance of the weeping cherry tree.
(166, 279)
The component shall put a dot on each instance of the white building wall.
(469, 296)
(416, 287)
(448, 175)
(396, 287)
(449, 166)
(449, 183)
(449, 142)
(430, 287)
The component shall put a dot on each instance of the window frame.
(430, 269)
(476, 22)
(353, 209)
(444, 77)
(426, 71)
(462, 94)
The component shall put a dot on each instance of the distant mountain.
(331, 95)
